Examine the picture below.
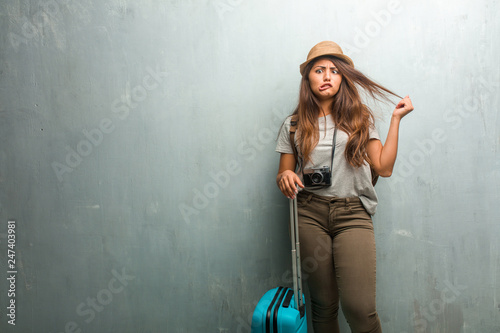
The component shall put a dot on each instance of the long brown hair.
(348, 112)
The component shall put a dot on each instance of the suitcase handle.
(296, 264)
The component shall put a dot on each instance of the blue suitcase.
(282, 309)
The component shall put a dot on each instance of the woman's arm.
(287, 178)
(383, 157)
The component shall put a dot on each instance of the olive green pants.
(337, 247)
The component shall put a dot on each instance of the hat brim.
(336, 55)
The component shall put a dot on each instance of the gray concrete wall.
(137, 159)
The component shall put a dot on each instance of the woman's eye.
(319, 71)
(335, 71)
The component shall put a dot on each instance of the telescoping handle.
(296, 266)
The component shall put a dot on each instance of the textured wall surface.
(137, 160)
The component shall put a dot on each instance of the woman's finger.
(291, 189)
(285, 187)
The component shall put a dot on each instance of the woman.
(338, 199)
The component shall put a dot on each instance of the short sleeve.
(283, 143)
(374, 133)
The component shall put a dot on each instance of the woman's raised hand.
(403, 108)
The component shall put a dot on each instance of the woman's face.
(324, 79)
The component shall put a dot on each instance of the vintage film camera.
(317, 176)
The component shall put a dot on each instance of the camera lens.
(316, 178)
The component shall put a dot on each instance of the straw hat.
(325, 48)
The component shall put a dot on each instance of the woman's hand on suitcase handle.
(288, 182)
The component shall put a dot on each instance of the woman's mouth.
(325, 86)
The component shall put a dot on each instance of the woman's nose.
(326, 77)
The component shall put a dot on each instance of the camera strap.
(333, 147)
(293, 129)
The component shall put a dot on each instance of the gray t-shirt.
(347, 181)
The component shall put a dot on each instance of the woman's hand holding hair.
(403, 108)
